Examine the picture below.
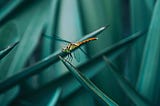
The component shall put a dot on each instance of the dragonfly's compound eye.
(65, 50)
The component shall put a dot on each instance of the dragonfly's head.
(69, 47)
(65, 50)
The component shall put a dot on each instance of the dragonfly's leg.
(68, 56)
(71, 56)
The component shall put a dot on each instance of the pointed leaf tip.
(14, 44)
(104, 27)
(87, 83)
(4, 52)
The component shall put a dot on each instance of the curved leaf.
(148, 80)
(36, 68)
(126, 86)
(46, 62)
(88, 83)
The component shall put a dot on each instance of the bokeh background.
(28, 20)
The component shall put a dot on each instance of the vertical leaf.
(27, 44)
(69, 28)
(150, 4)
(149, 73)
(24, 50)
(138, 11)
(9, 34)
(48, 45)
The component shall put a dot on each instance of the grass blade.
(87, 83)
(46, 62)
(150, 4)
(8, 8)
(148, 81)
(138, 22)
(36, 68)
(49, 45)
(55, 97)
(95, 33)
(27, 44)
(126, 86)
(96, 61)
(8, 35)
(24, 50)
(27, 72)
(4, 52)
(121, 44)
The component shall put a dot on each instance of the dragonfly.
(72, 46)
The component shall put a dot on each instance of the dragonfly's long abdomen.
(86, 41)
(72, 46)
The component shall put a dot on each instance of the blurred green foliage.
(30, 71)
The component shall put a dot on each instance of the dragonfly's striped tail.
(87, 40)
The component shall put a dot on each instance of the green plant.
(124, 63)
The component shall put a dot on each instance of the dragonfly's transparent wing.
(76, 55)
(56, 38)
(89, 57)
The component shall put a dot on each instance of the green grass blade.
(122, 43)
(94, 33)
(138, 22)
(147, 83)
(46, 62)
(97, 61)
(28, 72)
(24, 50)
(150, 4)
(8, 8)
(104, 12)
(4, 52)
(66, 81)
(87, 83)
(36, 68)
(8, 34)
(27, 44)
(126, 86)
(55, 97)
(48, 45)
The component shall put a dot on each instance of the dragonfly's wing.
(76, 55)
(56, 38)
(89, 57)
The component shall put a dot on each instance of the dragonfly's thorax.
(70, 47)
